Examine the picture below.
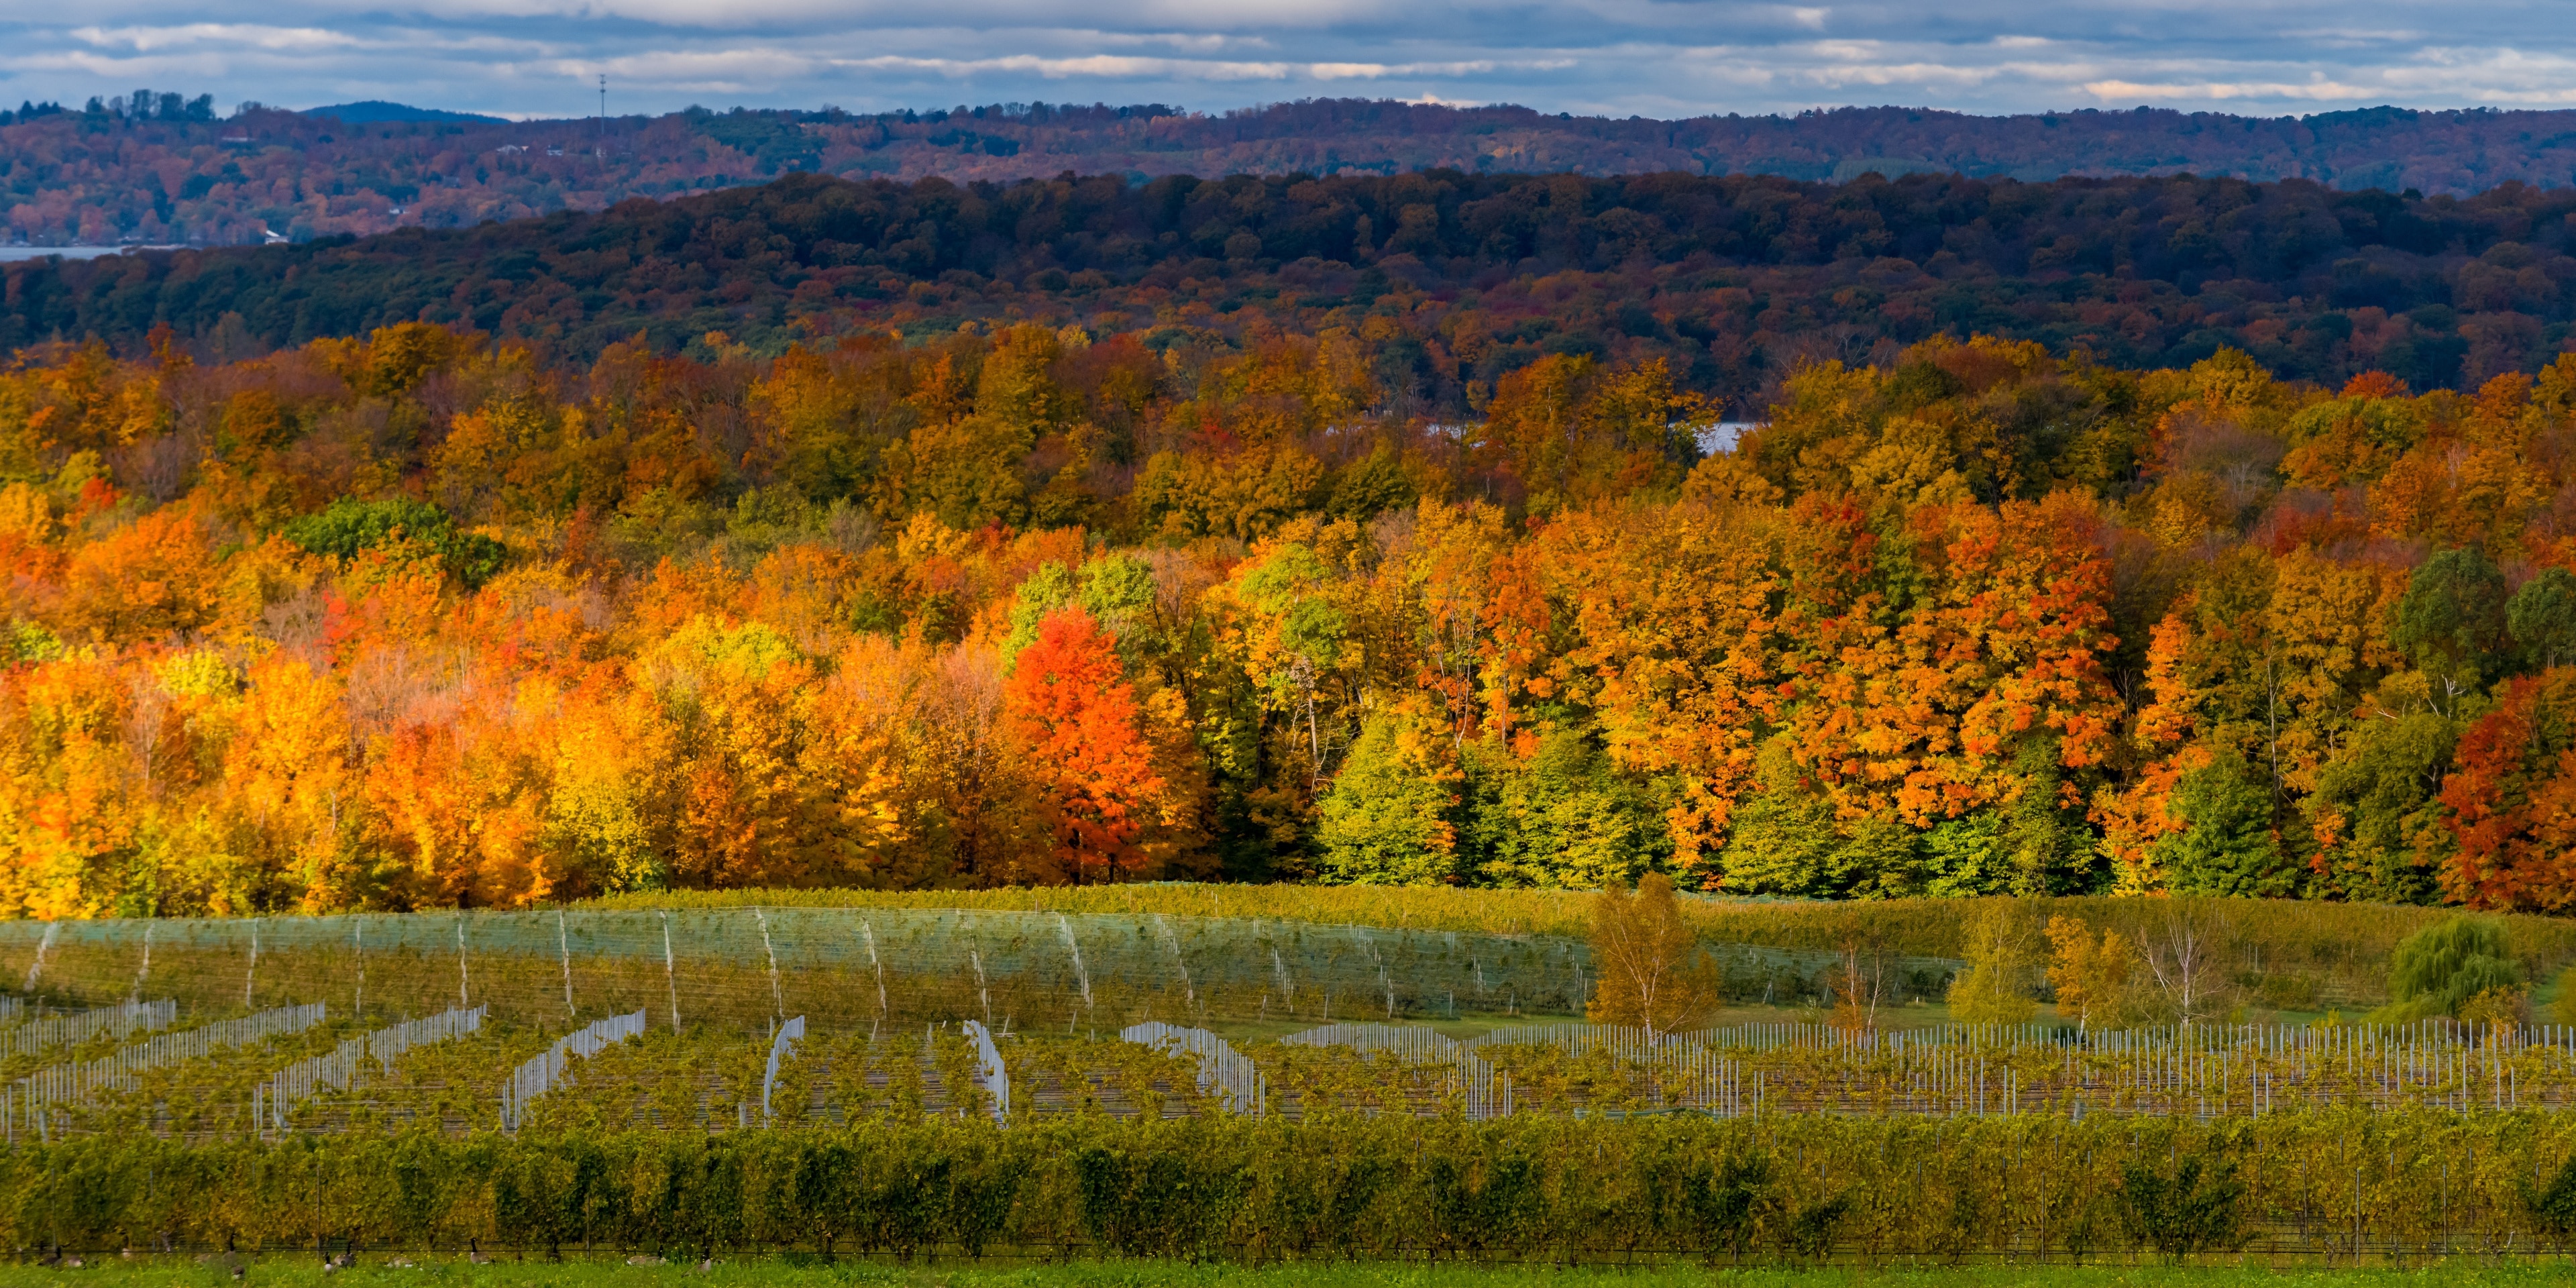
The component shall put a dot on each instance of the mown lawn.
(374, 1272)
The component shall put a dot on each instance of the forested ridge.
(1451, 280)
(161, 167)
(424, 618)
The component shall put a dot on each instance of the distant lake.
(1721, 436)
(13, 254)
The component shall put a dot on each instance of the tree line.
(159, 167)
(420, 619)
(1453, 280)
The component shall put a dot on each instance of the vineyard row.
(2340, 1185)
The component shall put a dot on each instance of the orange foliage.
(1078, 729)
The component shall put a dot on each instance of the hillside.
(417, 619)
(1731, 280)
(376, 111)
(172, 173)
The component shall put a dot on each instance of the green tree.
(1561, 818)
(2228, 844)
(2451, 621)
(2542, 619)
(1390, 816)
(1786, 839)
(1961, 859)
(2377, 811)
(2441, 967)
(2041, 840)
(351, 527)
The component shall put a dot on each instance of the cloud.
(1649, 57)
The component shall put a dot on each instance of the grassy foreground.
(305, 1272)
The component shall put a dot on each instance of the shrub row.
(1765, 1188)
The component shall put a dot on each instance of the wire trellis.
(743, 969)
(274, 1098)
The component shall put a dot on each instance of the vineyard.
(2336, 1186)
(906, 1080)
(2323, 953)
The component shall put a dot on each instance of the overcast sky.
(542, 57)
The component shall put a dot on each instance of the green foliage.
(1287, 586)
(1370, 486)
(351, 527)
(25, 641)
(1390, 818)
(1773, 1187)
(773, 142)
(812, 245)
(2553, 1208)
(1117, 590)
(2042, 840)
(2003, 954)
(2542, 619)
(2381, 800)
(2228, 844)
(2452, 619)
(2197, 1209)
(1724, 1202)
(1787, 840)
(1559, 818)
(1811, 1228)
(2438, 968)
(1962, 859)
(1157, 1203)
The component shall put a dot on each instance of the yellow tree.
(2089, 975)
(1671, 650)
(1652, 972)
(2000, 953)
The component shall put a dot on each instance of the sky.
(1655, 58)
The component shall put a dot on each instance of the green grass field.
(305, 1272)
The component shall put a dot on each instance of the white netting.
(77, 1027)
(989, 1070)
(115, 1072)
(789, 1034)
(740, 969)
(539, 1075)
(271, 1100)
(1222, 1069)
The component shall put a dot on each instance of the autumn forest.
(1159, 570)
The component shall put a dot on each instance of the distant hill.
(1733, 279)
(377, 110)
(71, 176)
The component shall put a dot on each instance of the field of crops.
(888, 1005)
(2316, 1186)
(807, 1271)
(2284, 951)
(1060, 1083)
(741, 969)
